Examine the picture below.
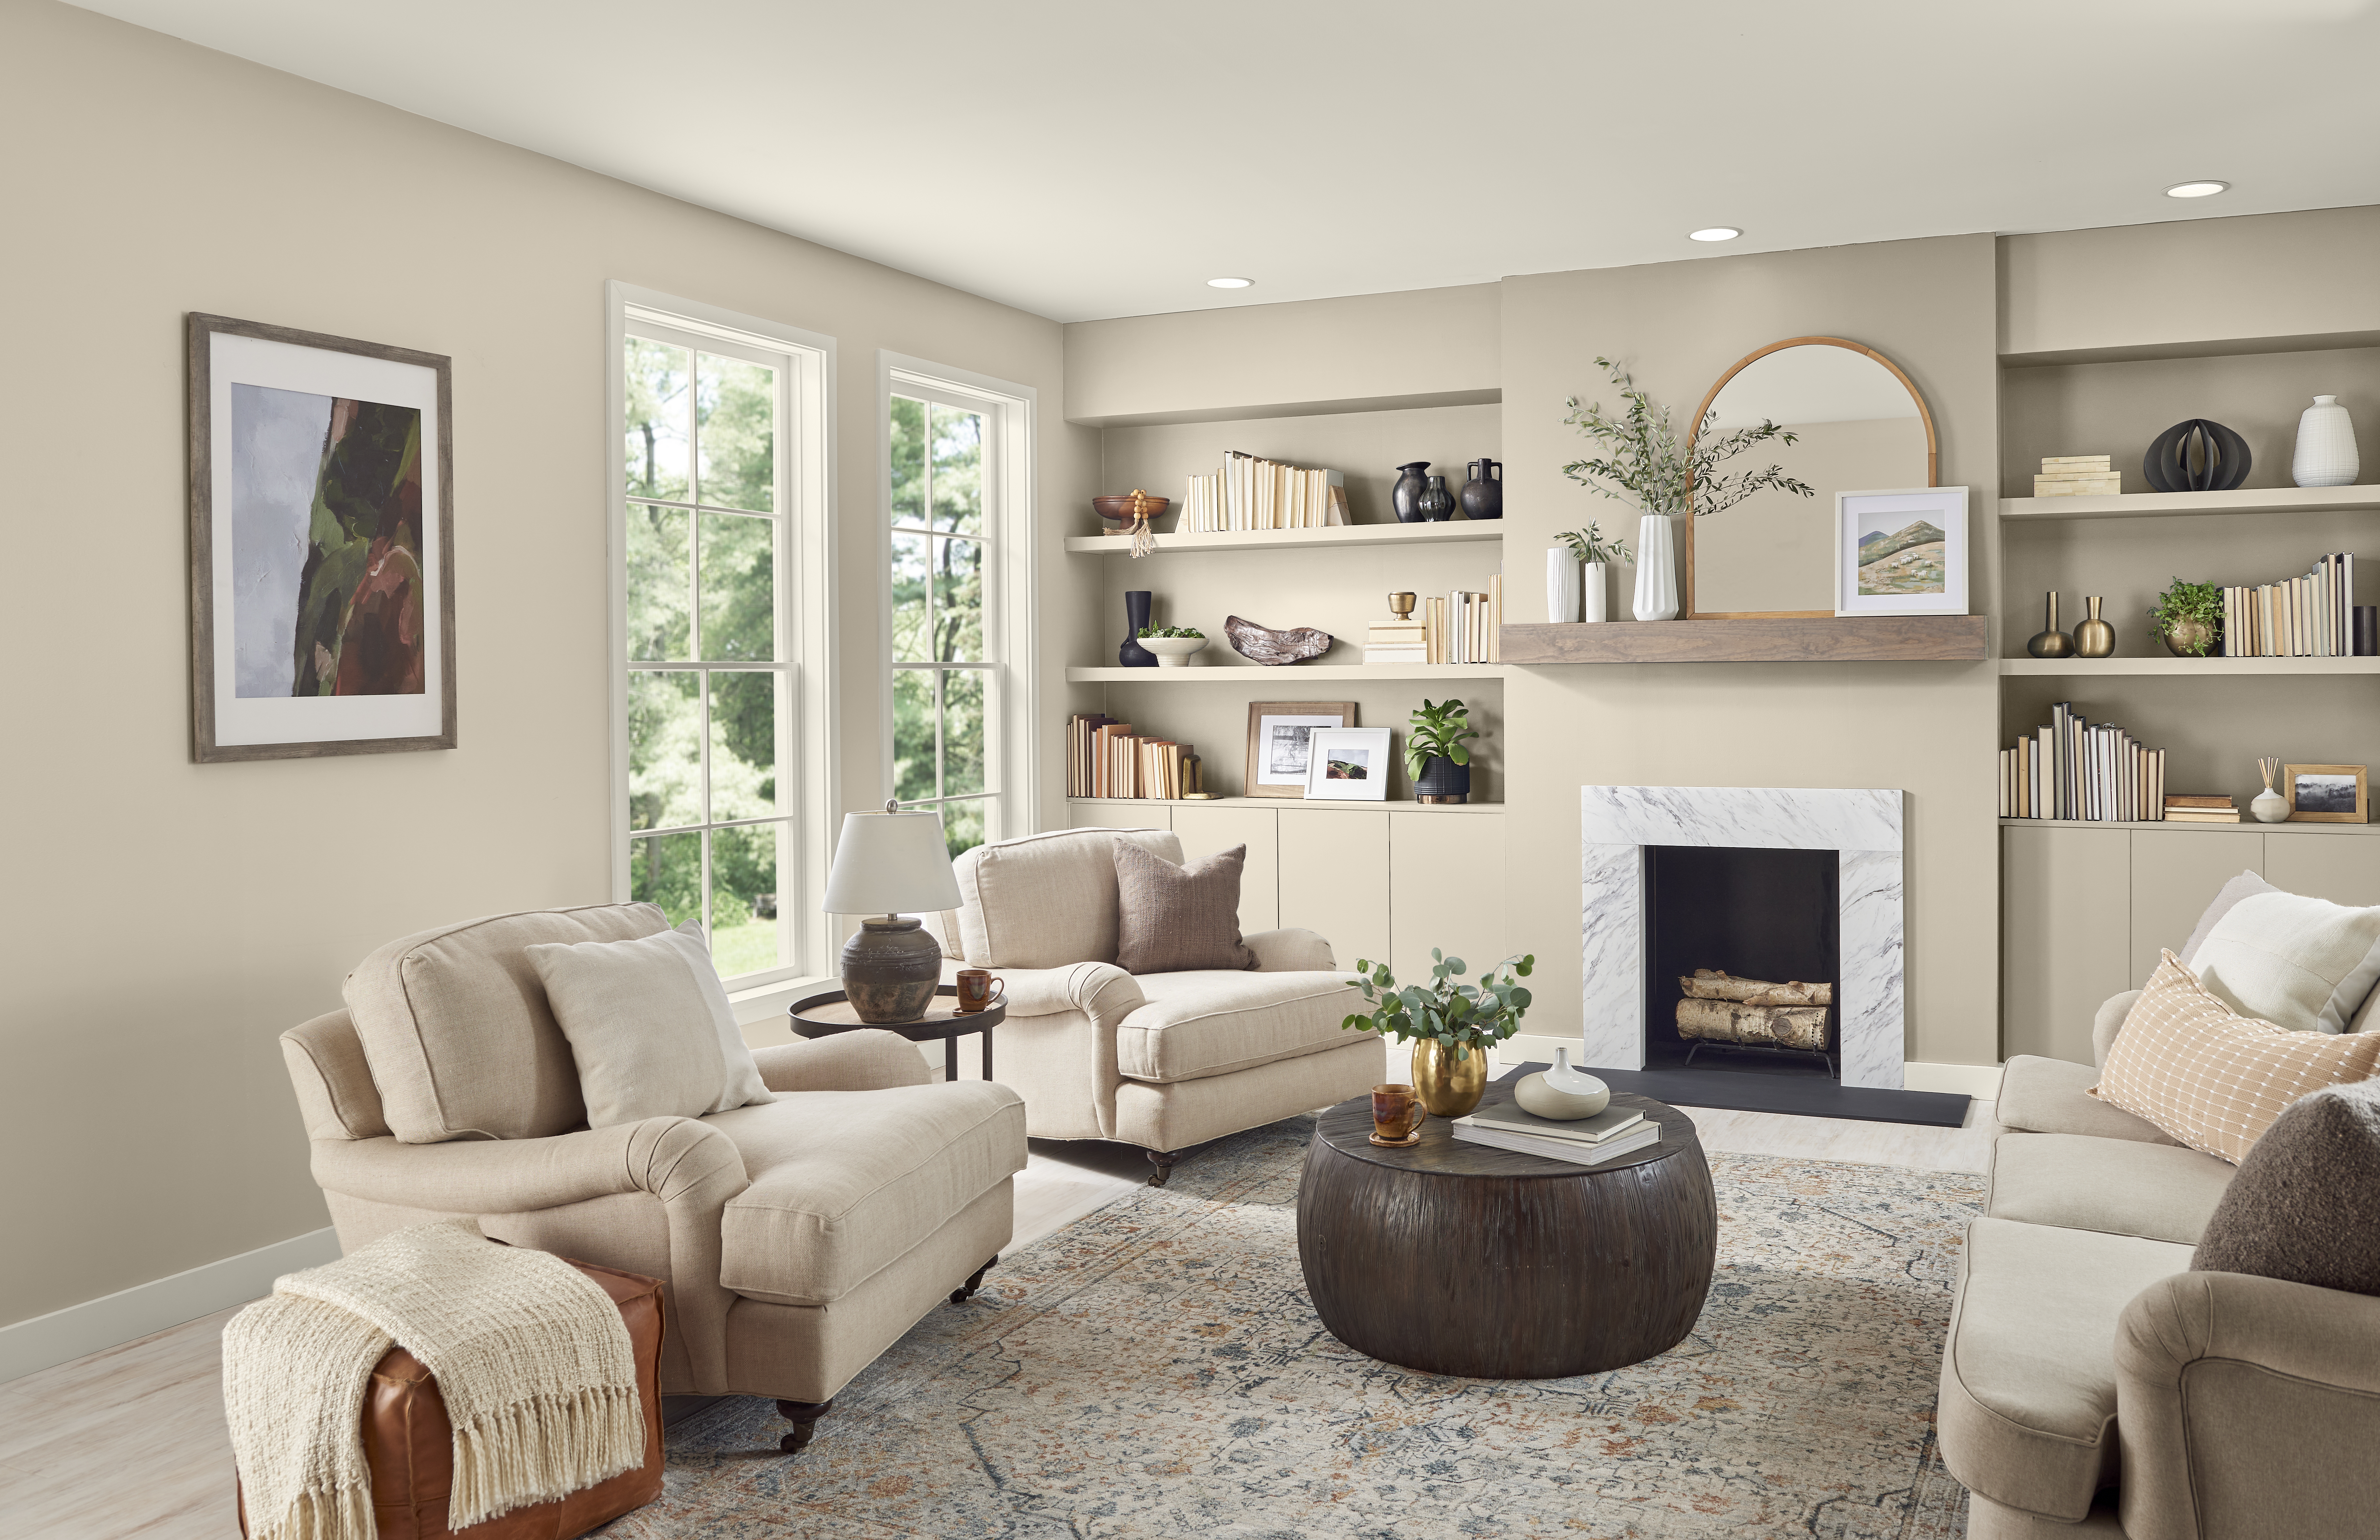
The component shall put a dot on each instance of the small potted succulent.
(1451, 1025)
(1437, 753)
(2190, 617)
(1171, 644)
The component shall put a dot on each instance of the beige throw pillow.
(1172, 919)
(2214, 1079)
(649, 1026)
(2303, 963)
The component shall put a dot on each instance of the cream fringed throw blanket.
(531, 1354)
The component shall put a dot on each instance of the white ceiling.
(1083, 159)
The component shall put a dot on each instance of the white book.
(1570, 1150)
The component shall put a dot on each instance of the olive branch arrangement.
(1643, 461)
(1588, 544)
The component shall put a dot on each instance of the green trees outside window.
(943, 675)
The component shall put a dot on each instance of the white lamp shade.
(891, 864)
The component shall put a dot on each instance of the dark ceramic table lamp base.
(890, 969)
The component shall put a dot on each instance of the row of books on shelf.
(1464, 628)
(2311, 616)
(1106, 758)
(2074, 768)
(1252, 493)
(1612, 1133)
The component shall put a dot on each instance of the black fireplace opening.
(1750, 914)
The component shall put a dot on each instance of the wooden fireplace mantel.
(1829, 639)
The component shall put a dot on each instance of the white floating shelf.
(1337, 537)
(1284, 677)
(1388, 805)
(2193, 825)
(2248, 500)
(2193, 668)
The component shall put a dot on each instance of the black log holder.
(1823, 1055)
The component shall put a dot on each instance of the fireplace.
(1757, 856)
(1719, 918)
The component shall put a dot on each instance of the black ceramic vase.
(1132, 655)
(2197, 456)
(1483, 495)
(1443, 781)
(1437, 504)
(1405, 496)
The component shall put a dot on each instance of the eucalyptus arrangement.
(1588, 545)
(1641, 461)
(1183, 632)
(1438, 731)
(2190, 617)
(1451, 1025)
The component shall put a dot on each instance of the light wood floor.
(131, 1441)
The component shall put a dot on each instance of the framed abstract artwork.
(1901, 553)
(322, 544)
(1348, 764)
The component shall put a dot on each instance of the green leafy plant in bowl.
(1175, 631)
(1172, 644)
(2189, 617)
(1450, 1023)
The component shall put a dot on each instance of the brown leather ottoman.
(410, 1446)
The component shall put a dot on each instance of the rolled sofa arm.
(1099, 990)
(865, 1061)
(2247, 1406)
(2108, 1022)
(1290, 949)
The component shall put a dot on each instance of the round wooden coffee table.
(1465, 1259)
(830, 1013)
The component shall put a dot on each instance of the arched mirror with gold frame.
(1858, 424)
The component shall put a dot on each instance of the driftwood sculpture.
(1258, 644)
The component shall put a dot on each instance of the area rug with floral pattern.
(1155, 1370)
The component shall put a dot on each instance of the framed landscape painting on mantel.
(1901, 553)
(322, 544)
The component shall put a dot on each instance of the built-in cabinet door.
(1122, 815)
(1334, 879)
(2176, 874)
(2066, 936)
(1205, 830)
(1446, 890)
(2344, 868)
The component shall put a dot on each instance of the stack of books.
(1398, 641)
(2075, 770)
(2200, 809)
(1467, 626)
(1607, 1135)
(2078, 476)
(1106, 757)
(1252, 493)
(2304, 617)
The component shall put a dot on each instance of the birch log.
(1721, 1021)
(1709, 984)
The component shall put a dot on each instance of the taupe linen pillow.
(649, 1026)
(1172, 919)
(2305, 1205)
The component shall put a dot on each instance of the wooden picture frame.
(1286, 780)
(2319, 803)
(322, 544)
(1372, 756)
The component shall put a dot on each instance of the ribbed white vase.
(1657, 569)
(1597, 594)
(2325, 455)
(1561, 584)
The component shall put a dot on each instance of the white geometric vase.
(1657, 569)
(1561, 584)
(2325, 455)
(1597, 593)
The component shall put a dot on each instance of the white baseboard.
(1979, 1081)
(44, 1342)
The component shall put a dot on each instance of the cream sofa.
(2092, 1385)
(1163, 1060)
(799, 1238)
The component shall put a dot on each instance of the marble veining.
(1772, 818)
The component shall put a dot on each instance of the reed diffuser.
(2270, 806)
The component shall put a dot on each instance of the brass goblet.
(1401, 605)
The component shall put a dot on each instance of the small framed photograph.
(1901, 553)
(1278, 746)
(1348, 764)
(2326, 794)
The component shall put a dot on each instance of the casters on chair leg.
(804, 1415)
(961, 1294)
(1164, 1160)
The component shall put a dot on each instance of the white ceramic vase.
(1598, 596)
(1561, 585)
(1657, 569)
(1174, 652)
(2270, 806)
(2325, 455)
(1562, 1094)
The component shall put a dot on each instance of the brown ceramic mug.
(1397, 1112)
(975, 990)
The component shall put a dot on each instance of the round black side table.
(824, 1016)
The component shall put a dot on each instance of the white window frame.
(806, 608)
(1011, 748)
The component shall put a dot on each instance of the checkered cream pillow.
(2212, 1078)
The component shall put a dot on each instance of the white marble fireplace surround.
(1861, 827)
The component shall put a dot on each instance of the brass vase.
(2051, 642)
(2094, 638)
(1449, 1081)
(2189, 639)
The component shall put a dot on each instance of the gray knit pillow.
(2305, 1205)
(1172, 919)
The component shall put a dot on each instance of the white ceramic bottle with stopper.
(2270, 806)
(1561, 1094)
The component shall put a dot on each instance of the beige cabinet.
(1121, 815)
(1334, 879)
(1205, 830)
(2176, 873)
(2344, 868)
(1446, 877)
(2066, 935)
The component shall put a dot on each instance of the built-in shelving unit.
(1838, 639)
(1337, 537)
(2180, 826)
(2200, 668)
(1453, 808)
(2256, 500)
(1253, 676)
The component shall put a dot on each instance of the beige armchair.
(1161, 1060)
(798, 1238)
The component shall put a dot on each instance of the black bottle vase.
(1132, 655)
(1483, 495)
(1405, 496)
(1437, 504)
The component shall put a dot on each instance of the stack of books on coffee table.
(1587, 1141)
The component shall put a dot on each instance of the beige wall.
(165, 920)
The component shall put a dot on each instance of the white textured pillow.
(2302, 963)
(649, 1026)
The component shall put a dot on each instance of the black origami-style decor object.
(2197, 456)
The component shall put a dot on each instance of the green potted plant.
(2190, 617)
(1451, 1025)
(1437, 756)
(1579, 574)
(1173, 645)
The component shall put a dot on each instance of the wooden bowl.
(1117, 511)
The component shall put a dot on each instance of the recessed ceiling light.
(1716, 232)
(2196, 190)
(1229, 282)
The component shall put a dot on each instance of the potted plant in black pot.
(1436, 752)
